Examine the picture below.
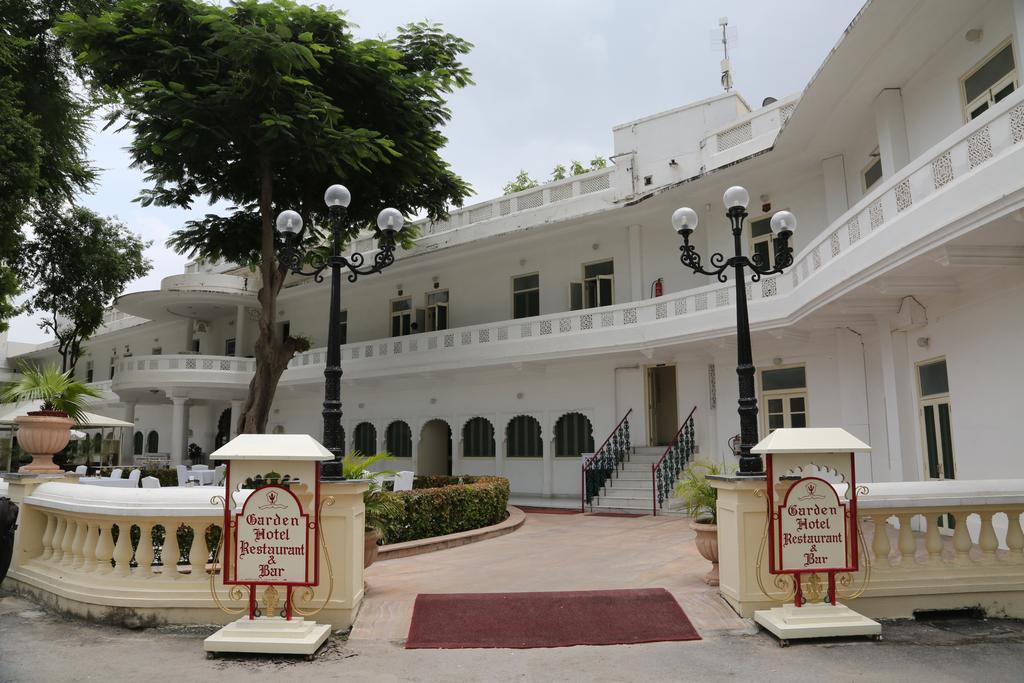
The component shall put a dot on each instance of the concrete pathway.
(550, 552)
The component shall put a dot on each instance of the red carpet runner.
(560, 619)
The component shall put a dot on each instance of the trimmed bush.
(450, 505)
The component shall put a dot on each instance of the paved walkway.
(551, 552)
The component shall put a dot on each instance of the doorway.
(662, 415)
(435, 452)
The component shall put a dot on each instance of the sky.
(552, 79)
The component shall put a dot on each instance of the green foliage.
(78, 262)
(559, 172)
(598, 162)
(57, 390)
(43, 126)
(521, 182)
(380, 506)
(446, 509)
(697, 493)
(576, 168)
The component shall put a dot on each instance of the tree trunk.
(272, 352)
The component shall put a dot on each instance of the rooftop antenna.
(721, 42)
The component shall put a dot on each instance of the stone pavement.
(549, 552)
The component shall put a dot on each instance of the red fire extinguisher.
(658, 287)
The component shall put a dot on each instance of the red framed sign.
(272, 539)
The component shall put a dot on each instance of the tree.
(79, 261)
(43, 126)
(264, 105)
(558, 172)
(521, 182)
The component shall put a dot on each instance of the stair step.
(633, 474)
(628, 485)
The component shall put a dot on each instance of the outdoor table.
(204, 477)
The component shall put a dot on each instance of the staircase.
(629, 490)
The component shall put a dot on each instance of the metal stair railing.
(598, 468)
(677, 455)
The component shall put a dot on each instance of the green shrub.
(453, 504)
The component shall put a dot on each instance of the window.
(784, 397)
(526, 296)
(596, 289)
(989, 82)
(365, 440)
(936, 419)
(156, 350)
(137, 443)
(478, 438)
(573, 436)
(437, 310)
(112, 367)
(401, 317)
(873, 173)
(762, 240)
(343, 327)
(523, 437)
(229, 347)
(88, 371)
(152, 442)
(398, 439)
(195, 346)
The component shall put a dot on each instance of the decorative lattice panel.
(587, 322)
(529, 201)
(481, 213)
(833, 241)
(722, 297)
(785, 112)
(564, 325)
(629, 316)
(505, 207)
(903, 197)
(1017, 123)
(701, 302)
(560, 192)
(853, 229)
(876, 214)
(979, 148)
(942, 170)
(607, 320)
(734, 136)
(596, 184)
(769, 287)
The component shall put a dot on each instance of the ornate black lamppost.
(684, 220)
(289, 224)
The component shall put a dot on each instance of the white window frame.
(876, 158)
(785, 395)
(769, 238)
(432, 311)
(934, 401)
(392, 314)
(524, 291)
(1009, 78)
(590, 287)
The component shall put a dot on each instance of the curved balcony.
(202, 296)
(151, 378)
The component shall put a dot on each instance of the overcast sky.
(552, 78)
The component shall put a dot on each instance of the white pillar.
(236, 411)
(636, 268)
(853, 395)
(891, 128)
(179, 429)
(892, 413)
(836, 200)
(239, 331)
(128, 438)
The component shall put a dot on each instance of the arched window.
(523, 436)
(137, 444)
(152, 442)
(398, 439)
(478, 438)
(97, 443)
(573, 435)
(365, 438)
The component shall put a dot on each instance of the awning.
(89, 420)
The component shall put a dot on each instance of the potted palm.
(44, 432)
(381, 506)
(701, 501)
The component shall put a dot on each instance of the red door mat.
(557, 619)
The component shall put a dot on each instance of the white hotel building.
(526, 325)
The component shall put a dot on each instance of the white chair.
(133, 477)
(221, 471)
(81, 469)
(116, 473)
(150, 483)
(403, 481)
(182, 475)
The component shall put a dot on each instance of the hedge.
(446, 505)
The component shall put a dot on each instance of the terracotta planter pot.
(41, 435)
(707, 546)
(370, 548)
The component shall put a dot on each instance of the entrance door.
(661, 404)
(936, 420)
(435, 452)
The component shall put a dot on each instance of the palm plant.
(699, 496)
(57, 390)
(383, 507)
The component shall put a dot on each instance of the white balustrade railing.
(183, 362)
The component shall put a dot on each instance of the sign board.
(273, 538)
(813, 528)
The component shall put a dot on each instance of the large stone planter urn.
(41, 434)
(370, 547)
(707, 546)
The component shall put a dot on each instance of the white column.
(236, 411)
(892, 413)
(636, 269)
(853, 394)
(891, 129)
(179, 429)
(239, 331)
(836, 200)
(128, 438)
